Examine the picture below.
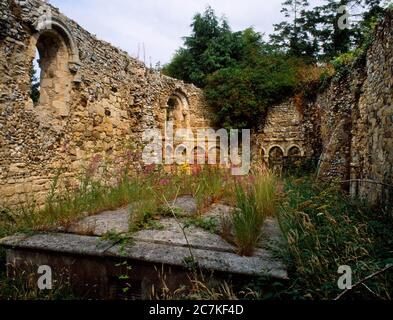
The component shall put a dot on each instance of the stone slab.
(59, 242)
(116, 221)
(219, 210)
(272, 237)
(185, 204)
(172, 234)
(262, 263)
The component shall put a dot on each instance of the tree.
(241, 95)
(211, 46)
(335, 40)
(35, 85)
(295, 34)
(318, 32)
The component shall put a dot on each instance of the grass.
(246, 222)
(24, 287)
(256, 200)
(323, 229)
(145, 192)
(210, 224)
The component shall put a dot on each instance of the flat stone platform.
(83, 248)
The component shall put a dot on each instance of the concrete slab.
(272, 237)
(219, 210)
(171, 245)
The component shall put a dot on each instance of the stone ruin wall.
(348, 126)
(357, 123)
(95, 103)
(288, 130)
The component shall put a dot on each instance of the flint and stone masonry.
(96, 101)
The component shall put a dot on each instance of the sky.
(159, 25)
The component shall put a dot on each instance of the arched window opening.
(55, 77)
(181, 155)
(276, 154)
(199, 155)
(171, 106)
(294, 153)
(215, 156)
(276, 159)
(177, 111)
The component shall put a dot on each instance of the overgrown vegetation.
(255, 202)
(323, 228)
(146, 193)
(326, 229)
(243, 74)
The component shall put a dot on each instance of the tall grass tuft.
(255, 202)
(246, 222)
(265, 189)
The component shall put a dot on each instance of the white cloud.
(161, 24)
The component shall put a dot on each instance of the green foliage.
(210, 47)
(315, 32)
(295, 35)
(256, 200)
(325, 229)
(264, 185)
(246, 222)
(209, 224)
(24, 287)
(243, 76)
(344, 62)
(35, 85)
(241, 95)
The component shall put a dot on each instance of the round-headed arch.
(262, 152)
(295, 151)
(177, 109)
(276, 152)
(55, 27)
